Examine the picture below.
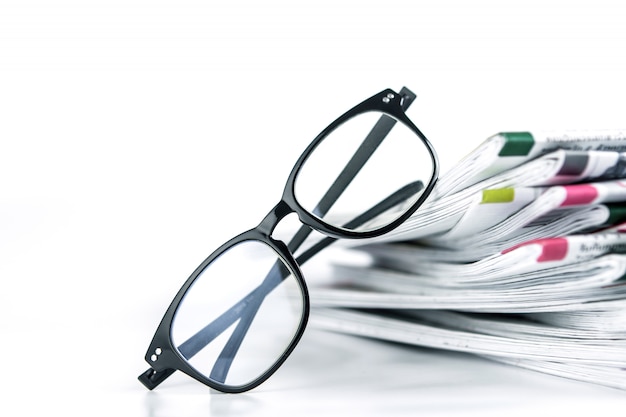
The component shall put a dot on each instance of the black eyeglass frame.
(164, 358)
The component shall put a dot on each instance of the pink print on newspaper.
(552, 249)
(592, 193)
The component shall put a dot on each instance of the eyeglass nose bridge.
(271, 220)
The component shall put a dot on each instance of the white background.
(136, 136)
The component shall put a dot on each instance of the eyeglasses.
(243, 310)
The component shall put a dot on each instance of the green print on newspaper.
(517, 144)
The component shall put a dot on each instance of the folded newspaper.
(519, 256)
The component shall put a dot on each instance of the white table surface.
(137, 136)
(94, 373)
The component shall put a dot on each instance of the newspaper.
(586, 356)
(519, 256)
(507, 150)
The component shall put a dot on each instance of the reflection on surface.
(208, 403)
(233, 405)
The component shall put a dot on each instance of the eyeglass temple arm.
(152, 378)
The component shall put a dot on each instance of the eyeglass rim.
(171, 358)
(393, 108)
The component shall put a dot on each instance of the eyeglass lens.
(251, 277)
(399, 160)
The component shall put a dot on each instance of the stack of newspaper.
(519, 255)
